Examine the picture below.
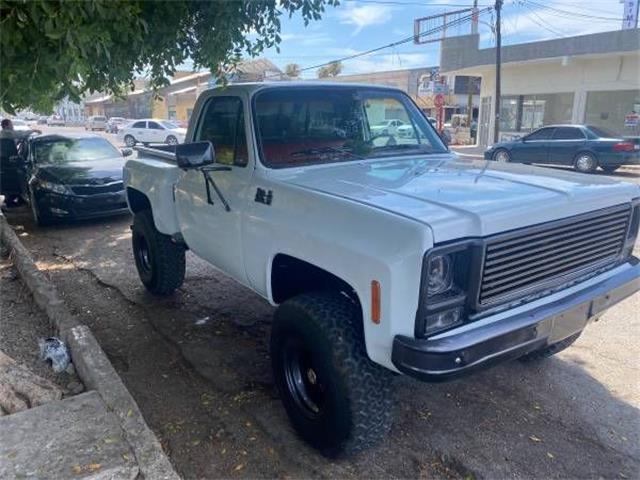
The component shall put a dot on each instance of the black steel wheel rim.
(143, 253)
(302, 381)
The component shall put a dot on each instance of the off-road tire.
(551, 350)
(129, 141)
(609, 168)
(356, 393)
(159, 259)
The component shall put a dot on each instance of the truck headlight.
(439, 274)
(448, 274)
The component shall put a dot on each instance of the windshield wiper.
(322, 150)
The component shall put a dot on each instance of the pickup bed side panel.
(352, 241)
(156, 180)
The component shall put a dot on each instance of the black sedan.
(72, 177)
(583, 147)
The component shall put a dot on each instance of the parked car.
(585, 147)
(42, 120)
(387, 127)
(382, 257)
(115, 123)
(56, 120)
(21, 125)
(151, 130)
(71, 177)
(96, 122)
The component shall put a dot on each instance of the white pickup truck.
(383, 254)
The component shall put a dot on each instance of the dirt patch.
(22, 325)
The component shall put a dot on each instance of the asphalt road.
(197, 364)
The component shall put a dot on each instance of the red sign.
(438, 100)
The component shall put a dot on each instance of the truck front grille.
(528, 260)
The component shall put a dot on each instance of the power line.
(540, 21)
(455, 22)
(419, 4)
(573, 15)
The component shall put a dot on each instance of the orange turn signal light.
(375, 301)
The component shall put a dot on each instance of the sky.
(359, 25)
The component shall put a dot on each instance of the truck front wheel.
(160, 261)
(337, 399)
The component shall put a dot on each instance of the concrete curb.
(92, 364)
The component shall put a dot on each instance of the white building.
(592, 79)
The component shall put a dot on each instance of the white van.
(96, 122)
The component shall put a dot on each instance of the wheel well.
(291, 276)
(589, 152)
(138, 201)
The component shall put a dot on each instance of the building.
(176, 100)
(421, 85)
(592, 79)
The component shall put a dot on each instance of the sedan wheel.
(585, 163)
(171, 140)
(129, 141)
(502, 156)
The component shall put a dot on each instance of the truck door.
(211, 230)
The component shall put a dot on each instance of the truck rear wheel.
(337, 399)
(547, 352)
(160, 261)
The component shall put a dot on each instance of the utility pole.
(471, 82)
(496, 118)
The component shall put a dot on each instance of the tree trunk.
(21, 389)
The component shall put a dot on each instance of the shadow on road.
(198, 365)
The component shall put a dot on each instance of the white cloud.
(364, 16)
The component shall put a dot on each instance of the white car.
(398, 257)
(387, 127)
(151, 130)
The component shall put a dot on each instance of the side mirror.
(126, 152)
(194, 155)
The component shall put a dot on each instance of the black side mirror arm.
(208, 180)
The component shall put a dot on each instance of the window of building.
(610, 109)
(525, 113)
(223, 125)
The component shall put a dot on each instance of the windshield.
(308, 126)
(65, 150)
(169, 125)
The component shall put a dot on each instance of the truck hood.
(460, 198)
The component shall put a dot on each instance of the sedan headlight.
(447, 276)
(53, 187)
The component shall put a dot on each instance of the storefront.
(591, 79)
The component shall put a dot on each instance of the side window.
(568, 133)
(222, 123)
(138, 125)
(542, 134)
(154, 126)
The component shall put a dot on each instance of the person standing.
(7, 129)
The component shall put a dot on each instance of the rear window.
(603, 132)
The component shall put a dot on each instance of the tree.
(331, 70)
(53, 49)
(292, 70)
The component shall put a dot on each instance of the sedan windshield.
(65, 150)
(308, 126)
